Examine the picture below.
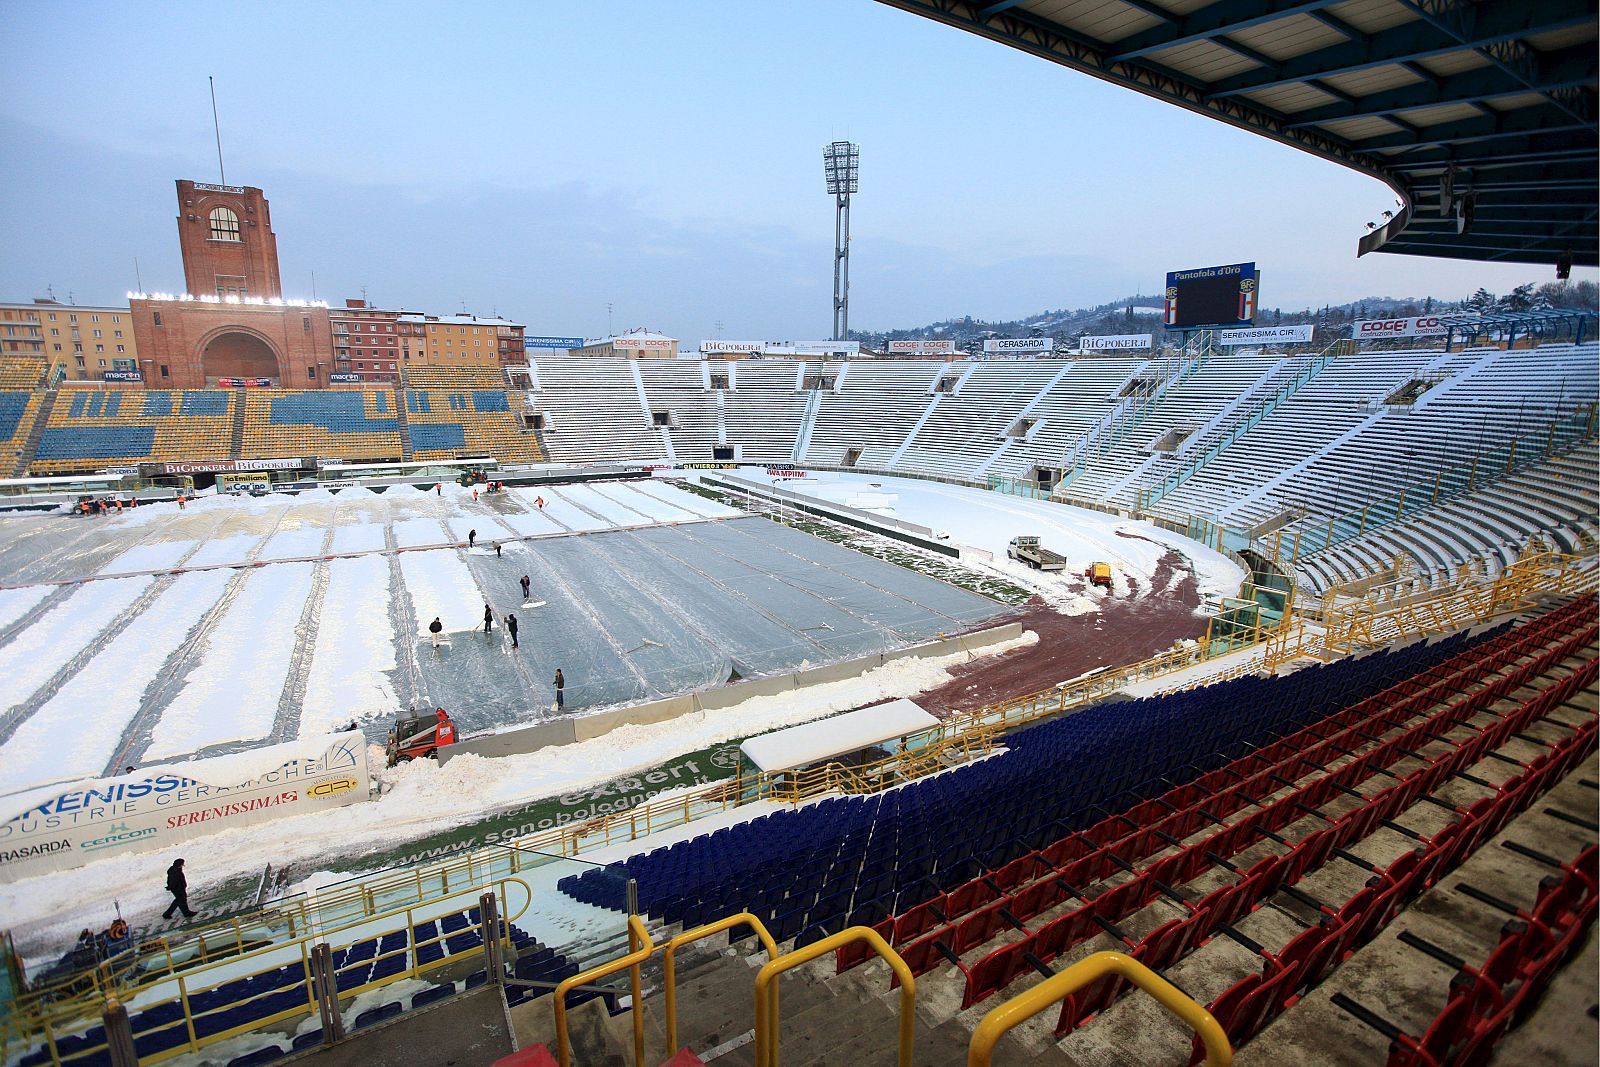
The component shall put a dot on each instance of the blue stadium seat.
(427, 435)
(337, 411)
(95, 442)
(203, 403)
(378, 1014)
(428, 996)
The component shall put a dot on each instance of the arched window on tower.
(224, 224)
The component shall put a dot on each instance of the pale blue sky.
(543, 159)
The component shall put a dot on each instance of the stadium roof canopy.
(1480, 115)
(1554, 323)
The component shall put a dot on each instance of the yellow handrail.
(766, 991)
(641, 948)
(670, 964)
(1026, 1005)
(38, 1016)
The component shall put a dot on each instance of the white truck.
(1029, 551)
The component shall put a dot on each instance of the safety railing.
(1149, 402)
(232, 983)
(640, 948)
(1026, 1005)
(1308, 537)
(669, 963)
(1389, 613)
(767, 991)
(1249, 421)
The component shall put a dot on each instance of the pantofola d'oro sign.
(61, 826)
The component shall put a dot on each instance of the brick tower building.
(225, 234)
(232, 325)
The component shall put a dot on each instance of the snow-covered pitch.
(243, 621)
(96, 667)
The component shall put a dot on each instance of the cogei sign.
(1415, 326)
(58, 827)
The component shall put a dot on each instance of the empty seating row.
(18, 410)
(274, 996)
(96, 427)
(1050, 783)
(1149, 827)
(1006, 898)
(21, 372)
(1484, 1000)
(353, 424)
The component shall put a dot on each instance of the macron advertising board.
(1266, 335)
(65, 825)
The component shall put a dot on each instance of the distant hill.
(1141, 313)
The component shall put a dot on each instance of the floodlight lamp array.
(841, 166)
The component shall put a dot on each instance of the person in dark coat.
(561, 683)
(511, 628)
(178, 886)
(525, 585)
(472, 535)
(435, 628)
(488, 618)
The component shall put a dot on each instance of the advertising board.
(712, 348)
(221, 465)
(1115, 342)
(1020, 344)
(1415, 326)
(921, 348)
(121, 376)
(819, 348)
(546, 341)
(66, 825)
(1267, 335)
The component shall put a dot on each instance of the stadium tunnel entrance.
(234, 352)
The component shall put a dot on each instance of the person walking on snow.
(178, 886)
(497, 550)
(435, 628)
(525, 585)
(488, 618)
(511, 628)
(472, 538)
(561, 684)
(540, 502)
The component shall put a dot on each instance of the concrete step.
(1403, 984)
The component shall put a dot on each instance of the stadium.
(1225, 697)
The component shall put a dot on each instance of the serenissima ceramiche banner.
(58, 827)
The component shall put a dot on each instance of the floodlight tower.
(841, 164)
